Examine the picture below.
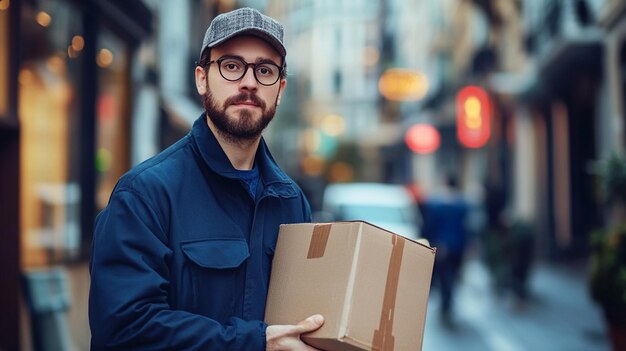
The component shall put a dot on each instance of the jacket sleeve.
(306, 207)
(128, 302)
(307, 210)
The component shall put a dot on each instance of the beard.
(241, 128)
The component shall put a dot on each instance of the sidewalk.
(558, 316)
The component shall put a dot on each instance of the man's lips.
(246, 103)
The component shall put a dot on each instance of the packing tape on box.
(383, 338)
(319, 239)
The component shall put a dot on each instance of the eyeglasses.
(234, 68)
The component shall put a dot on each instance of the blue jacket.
(182, 253)
(445, 223)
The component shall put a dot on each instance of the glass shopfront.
(65, 107)
(47, 108)
(50, 82)
(112, 114)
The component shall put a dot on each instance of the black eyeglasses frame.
(246, 65)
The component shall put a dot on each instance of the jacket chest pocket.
(214, 268)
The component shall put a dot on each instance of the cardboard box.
(370, 285)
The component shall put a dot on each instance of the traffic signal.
(473, 110)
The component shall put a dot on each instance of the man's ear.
(201, 77)
(283, 84)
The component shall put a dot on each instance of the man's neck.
(240, 153)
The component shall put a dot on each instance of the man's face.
(240, 110)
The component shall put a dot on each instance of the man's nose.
(248, 81)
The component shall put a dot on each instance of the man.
(182, 252)
(445, 216)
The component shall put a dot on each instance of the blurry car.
(388, 206)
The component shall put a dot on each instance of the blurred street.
(559, 314)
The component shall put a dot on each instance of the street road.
(558, 316)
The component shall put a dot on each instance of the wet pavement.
(559, 314)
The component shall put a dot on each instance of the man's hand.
(287, 337)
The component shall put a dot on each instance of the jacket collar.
(275, 181)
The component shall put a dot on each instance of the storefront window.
(112, 113)
(4, 57)
(48, 111)
(51, 114)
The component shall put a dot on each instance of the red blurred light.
(473, 117)
(106, 107)
(422, 138)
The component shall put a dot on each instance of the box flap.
(421, 242)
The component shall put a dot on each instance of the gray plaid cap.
(244, 21)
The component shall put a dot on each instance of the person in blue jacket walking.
(445, 226)
(182, 253)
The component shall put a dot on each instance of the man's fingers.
(287, 337)
(311, 323)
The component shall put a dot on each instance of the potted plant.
(608, 280)
(608, 253)
(614, 183)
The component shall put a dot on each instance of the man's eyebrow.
(231, 56)
(265, 60)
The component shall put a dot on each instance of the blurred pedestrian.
(520, 256)
(494, 236)
(445, 215)
(182, 252)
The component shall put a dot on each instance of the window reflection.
(112, 155)
(47, 81)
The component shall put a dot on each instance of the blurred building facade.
(332, 99)
(553, 107)
(68, 91)
(564, 105)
